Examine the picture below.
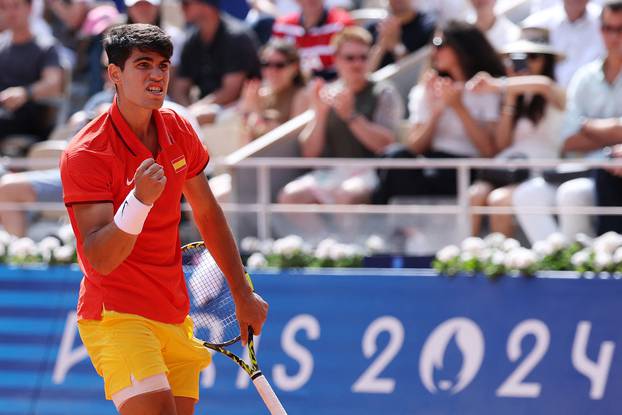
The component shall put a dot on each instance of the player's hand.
(251, 311)
(150, 181)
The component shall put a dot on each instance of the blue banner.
(362, 342)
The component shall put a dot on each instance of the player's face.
(144, 79)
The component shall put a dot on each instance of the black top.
(415, 34)
(233, 49)
(22, 64)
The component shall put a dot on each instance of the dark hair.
(613, 5)
(289, 50)
(474, 51)
(119, 41)
(534, 109)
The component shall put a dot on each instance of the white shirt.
(591, 96)
(502, 32)
(445, 10)
(450, 135)
(580, 40)
(537, 140)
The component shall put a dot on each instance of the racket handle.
(268, 396)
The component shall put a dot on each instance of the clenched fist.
(150, 181)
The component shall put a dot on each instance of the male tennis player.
(123, 177)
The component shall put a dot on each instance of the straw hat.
(533, 40)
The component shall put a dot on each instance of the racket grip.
(268, 396)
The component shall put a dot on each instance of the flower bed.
(293, 252)
(497, 255)
(52, 250)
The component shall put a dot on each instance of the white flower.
(617, 256)
(510, 244)
(473, 245)
(6, 238)
(23, 248)
(607, 243)
(520, 259)
(375, 244)
(64, 253)
(498, 258)
(341, 251)
(288, 246)
(46, 247)
(584, 239)
(543, 248)
(602, 260)
(265, 247)
(250, 244)
(495, 240)
(466, 256)
(2, 250)
(256, 260)
(580, 258)
(448, 253)
(65, 233)
(484, 255)
(557, 241)
(324, 248)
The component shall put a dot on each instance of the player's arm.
(251, 309)
(108, 236)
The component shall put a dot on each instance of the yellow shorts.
(123, 345)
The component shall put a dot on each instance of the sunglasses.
(274, 64)
(611, 29)
(352, 58)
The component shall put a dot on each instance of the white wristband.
(131, 215)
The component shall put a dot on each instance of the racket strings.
(211, 306)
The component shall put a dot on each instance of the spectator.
(354, 117)
(574, 27)
(218, 57)
(499, 29)
(404, 31)
(263, 13)
(312, 30)
(150, 12)
(529, 126)
(31, 72)
(281, 96)
(591, 125)
(448, 120)
(65, 19)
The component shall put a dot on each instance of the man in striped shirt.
(311, 30)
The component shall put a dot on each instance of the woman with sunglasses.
(279, 96)
(529, 126)
(448, 121)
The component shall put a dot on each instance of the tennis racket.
(213, 311)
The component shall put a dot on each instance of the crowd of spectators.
(544, 87)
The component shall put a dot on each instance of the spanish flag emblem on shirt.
(179, 164)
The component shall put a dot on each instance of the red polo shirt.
(98, 166)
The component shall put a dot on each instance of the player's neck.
(137, 118)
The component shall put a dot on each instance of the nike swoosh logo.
(129, 182)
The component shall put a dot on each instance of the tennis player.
(123, 177)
